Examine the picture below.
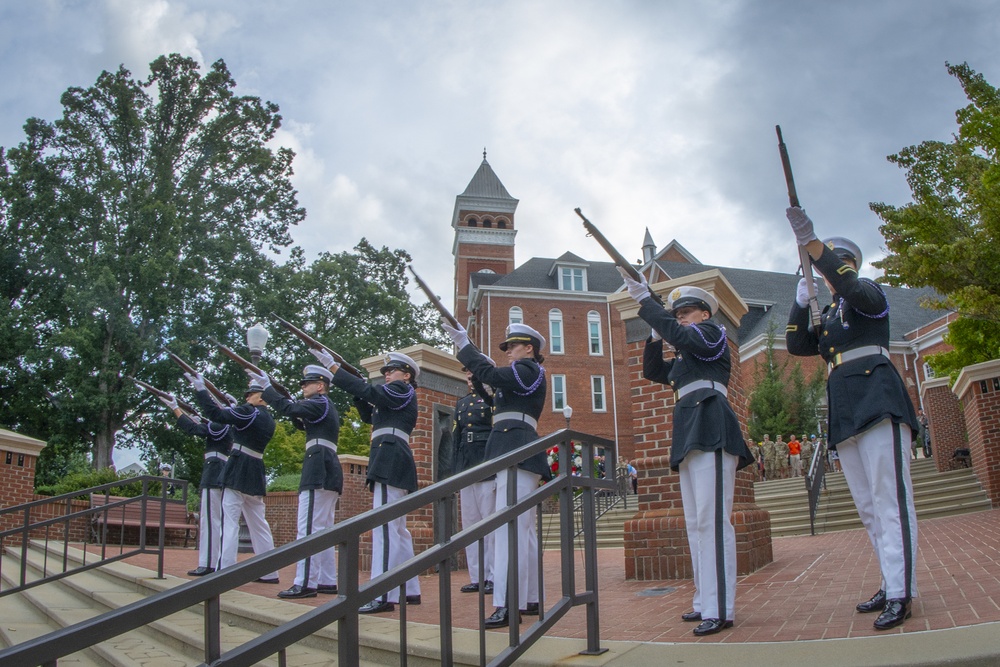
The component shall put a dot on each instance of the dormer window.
(572, 278)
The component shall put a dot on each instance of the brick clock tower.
(484, 235)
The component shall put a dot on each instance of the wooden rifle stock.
(187, 408)
(435, 301)
(314, 344)
(616, 256)
(219, 395)
(804, 259)
(250, 367)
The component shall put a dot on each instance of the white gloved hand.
(232, 399)
(169, 401)
(260, 379)
(638, 290)
(324, 358)
(802, 292)
(801, 225)
(196, 380)
(655, 335)
(459, 336)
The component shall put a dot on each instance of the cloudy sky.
(643, 113)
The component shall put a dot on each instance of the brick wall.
(946, 422)
(978, 387)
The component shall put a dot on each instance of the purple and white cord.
(721, 342)
(528, 390)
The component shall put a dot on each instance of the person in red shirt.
(795, 455)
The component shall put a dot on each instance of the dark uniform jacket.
(703, 419)
(318, 417)
(473, 423)
(218, 439)
(252, 428)
(862, 392)
(392, 405)
(520, 387)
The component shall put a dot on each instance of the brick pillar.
(18, 460)
(945, 421)
(656, 546)
(978, 388)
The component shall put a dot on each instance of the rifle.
(250, 367)
(435, 301)
(186, 407)
(314, 344)
(219, 395)
(616, 256)
(804, 259)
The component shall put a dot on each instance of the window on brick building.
(573, 279)
(597, 393)
(928, 372)
(472, 222)
(594, 332)
(515, 315)
(556, 331)
(487, 222)
(501, 224)
(558, 392)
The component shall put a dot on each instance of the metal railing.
(605, 501)
(352, 594)
(815, 482)
(62, 523)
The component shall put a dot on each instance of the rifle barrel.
(616, 256)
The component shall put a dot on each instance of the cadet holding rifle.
(391, 409)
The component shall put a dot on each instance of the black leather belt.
(472, 436)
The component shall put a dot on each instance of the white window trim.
(600, 334)
(555, 315)
(604, 394)
(562, 379)
(520, 315)
(583, 278)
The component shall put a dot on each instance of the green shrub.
(129, 488)
(289, 482)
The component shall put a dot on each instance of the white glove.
(655, 335)
(196, 380)
(258, 378)
(232, 399)
(491, 362)
(637, 290)
(802, 292)
(323, 357)
(459, 336)
(170, 402)
(801, 225)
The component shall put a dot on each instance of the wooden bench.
(130, 514)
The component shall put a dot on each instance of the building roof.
(486, 184)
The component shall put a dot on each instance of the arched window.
(487, 222)
(472, 222)
(515, 316)
(596, 343)
(501, 224)
(556, 331)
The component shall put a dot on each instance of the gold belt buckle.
(837, 359)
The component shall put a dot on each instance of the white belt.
(402, 435)
(216, 455)
(857, 353)
(322, 443)
(515, 416)
(702, 384)
(249, 452)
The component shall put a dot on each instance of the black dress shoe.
(488, 587)
(297, 591)
(499, 619)
(264, 580)
(710, 626)
(327, 589)
(200, 571)
(532, 609)
(412, 599)
(896, 611)
(470, 588)
(877, 603)
(377, 607)
(691, 616)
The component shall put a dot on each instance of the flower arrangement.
(575, 457)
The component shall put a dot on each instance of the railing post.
(590, 558)
(444, 513)
(213, 619)
(348, 627)
(25, 536)
(163, 528)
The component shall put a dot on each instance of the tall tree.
(138, 218)
(782, 401)
(948, 237)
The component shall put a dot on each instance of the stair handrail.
(815, 482)
(346, 536)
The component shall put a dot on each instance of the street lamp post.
(256, 340)
(567, 413)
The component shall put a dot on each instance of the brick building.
(566, 298)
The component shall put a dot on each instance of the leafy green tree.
(355, 435)
(782, 401)
(137, 219)
(948, 237)
(286, 451)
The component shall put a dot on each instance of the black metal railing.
(816, 482)
(53, 520)
(347, 537)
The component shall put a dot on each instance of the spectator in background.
(795, 455)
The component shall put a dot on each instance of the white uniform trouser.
(235, 503)
(210, 528)
(527, 544)
(316, 512)
(876, 464)
(392, 543)
(708, 482)
(479, 501)
(796, 461)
